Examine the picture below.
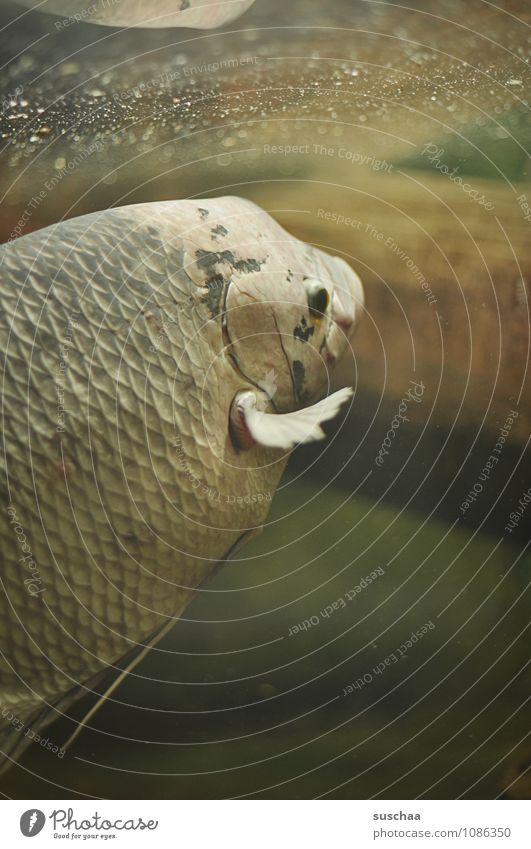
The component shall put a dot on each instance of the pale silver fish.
(199, 14)
(159, 361)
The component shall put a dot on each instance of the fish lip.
(338, 336)
(347, 304)
(344, 323)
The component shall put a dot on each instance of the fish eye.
(318, 299)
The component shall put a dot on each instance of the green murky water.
(426, 620)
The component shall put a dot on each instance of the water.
(249, 690)
(401, 145)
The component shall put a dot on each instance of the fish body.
(198, 14)
(125, 338)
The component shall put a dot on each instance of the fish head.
(288, 322)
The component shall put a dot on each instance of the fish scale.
(103, 376)
(117, 389)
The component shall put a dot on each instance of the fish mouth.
(347, 305)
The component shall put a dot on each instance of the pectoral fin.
(250, 426)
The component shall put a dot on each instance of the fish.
(197, 14)
(159, 363)
(92, 131)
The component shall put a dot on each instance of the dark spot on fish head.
(299, 377)
(204, 213)
(220, 230)
(303, 330)
(215, 287)
(209, 259)
(248, 265)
